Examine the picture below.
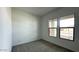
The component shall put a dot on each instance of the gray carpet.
(38, 46)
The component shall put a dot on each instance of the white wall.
(5, 29)
(25, 27)
(72, 45)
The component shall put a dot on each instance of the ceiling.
(39, 11)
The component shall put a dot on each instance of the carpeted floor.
(38, 46)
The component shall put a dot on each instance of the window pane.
(66, 33)
(53, 23)
(67, 21)
(52, 32)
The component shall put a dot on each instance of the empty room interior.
(39, 29)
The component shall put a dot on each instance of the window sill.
(66, 39)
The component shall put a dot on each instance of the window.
(52, 27)
(67, 27)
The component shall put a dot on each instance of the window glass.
(66, 33)
(67, 22)
(53, 23)
(52, 32)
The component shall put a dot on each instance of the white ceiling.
(40, 11)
